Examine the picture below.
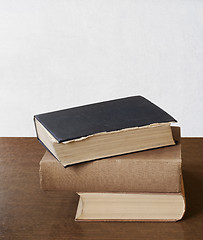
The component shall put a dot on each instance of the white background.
(56, 54)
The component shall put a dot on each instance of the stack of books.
(122, 157)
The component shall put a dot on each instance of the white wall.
(56, 54)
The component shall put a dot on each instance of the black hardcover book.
(102, 129)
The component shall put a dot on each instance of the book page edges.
(79, 212)
(117, 131)
(69, 156)
(54, 140)
(182, 195)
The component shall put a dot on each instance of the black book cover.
(77, 122)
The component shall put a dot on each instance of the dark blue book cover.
(77, 122)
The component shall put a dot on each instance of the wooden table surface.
(26, 212)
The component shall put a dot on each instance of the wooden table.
(26, 212)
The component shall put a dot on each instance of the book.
(156, 170)
(131, 206)
(104, 129)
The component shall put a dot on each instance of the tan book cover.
(157, 170)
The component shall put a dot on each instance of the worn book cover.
(98, 130)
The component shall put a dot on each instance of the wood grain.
(26, 212)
